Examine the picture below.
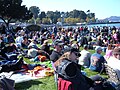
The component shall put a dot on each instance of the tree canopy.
(35, 10)
(12, 9)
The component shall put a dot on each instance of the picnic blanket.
(26, 76)
(36, 73)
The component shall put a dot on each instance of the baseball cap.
(75, 50)
(85, 46)
(58, 42)
(98, 48)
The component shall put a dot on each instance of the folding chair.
(64, 84)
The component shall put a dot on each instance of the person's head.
(74, 46)
(85, 47)
(46, 42)
(99, 37)
(72, 55)
(116, 53)
(25, 40)
(98, 49)
(34, 41)
(58, 45)
(110, 47)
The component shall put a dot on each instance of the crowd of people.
(62, 46)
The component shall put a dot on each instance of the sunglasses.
(60, 46)
(117, 54)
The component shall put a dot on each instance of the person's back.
(97, 60)
(68, 69)
(46, 47)
(19, 39)
(84, 59)
(32, 52)
(54, 56)
(56, 53)
(73, 75)
(83, 40)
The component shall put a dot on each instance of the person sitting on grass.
(57, 52)
(84, 59)
(70, 76)
(33, 53)
(97, 60)
(46, 47)
(114, 60)
(109, 51)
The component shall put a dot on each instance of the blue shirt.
(96, 62)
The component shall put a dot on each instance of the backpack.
(103, 85)
(107, 86)
(68, 71)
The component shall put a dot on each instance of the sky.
(101, 8)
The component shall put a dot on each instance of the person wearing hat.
(46, 47)
(68, 70)
(70, 76)
(33, 44)
(57, 52)
(97, 60)
(84, 59)
(114, 60)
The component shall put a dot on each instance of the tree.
(42, 15)
(12, 9)
(53, 15)
(82, 15)
(87, 19)
(46, 20)
(57, 15)
(38, 21)
(88, 11)
(35, 10)
(75, 13)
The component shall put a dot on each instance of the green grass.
(39, 84)
(91, 73)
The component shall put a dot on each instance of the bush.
(33, 28)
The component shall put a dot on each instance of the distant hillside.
(113, 19)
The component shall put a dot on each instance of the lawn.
(47, 83)
(39, 84)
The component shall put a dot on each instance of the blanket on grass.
(36, 73)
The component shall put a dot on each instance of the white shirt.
(32, 52)
(115, 64)
(84, 59)
(19, 39)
